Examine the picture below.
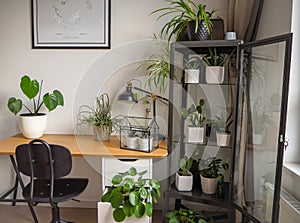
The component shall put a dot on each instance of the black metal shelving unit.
(239, 83)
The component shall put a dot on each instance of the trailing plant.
(185, 11)
(223, 124)
(186, 216)
(158, 66)
(185, 165)
(194, 114)
(99, 115)
(213, 58)
(33, 90)
(131, 195)
(211, 168)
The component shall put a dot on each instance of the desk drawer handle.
(128, 160)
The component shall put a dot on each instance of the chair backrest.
(41, 153)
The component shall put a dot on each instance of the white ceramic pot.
(209, 185)
(101, 133)
(33, 126)
(192, 76)
(145, 144)
(223, 139)
(105, 215)
(214, 74)
(195, 134)
(184, 183)
(132, 142)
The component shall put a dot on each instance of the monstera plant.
(33, 122)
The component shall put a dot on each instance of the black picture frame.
(66, 24)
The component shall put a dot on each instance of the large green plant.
(185, 11)
(131, 195)
(33, 90)
(99, 115)
(186, 216)
(194, 114)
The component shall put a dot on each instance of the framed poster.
(71, 23)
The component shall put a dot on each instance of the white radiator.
(289, 206)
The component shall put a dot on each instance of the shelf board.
(196, 195)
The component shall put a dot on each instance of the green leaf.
(154, 184)
(132, 171)
(59, 97)
(119, 215)
(50, 101)
(117, 179)
(14, 105)
(143, 192)
(134, 198)
(149, 209)
(139, 210)
(128, 208)
(116, 199)
(174, 220)
(128, 184)
(141, 182)
(29, 87)
(106, 197)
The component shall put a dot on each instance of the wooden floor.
(21, 214)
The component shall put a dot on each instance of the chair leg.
(32, 212)
(56, 215)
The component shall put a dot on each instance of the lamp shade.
(128, 95)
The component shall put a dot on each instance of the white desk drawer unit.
(112, 166)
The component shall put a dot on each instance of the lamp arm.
(153, 95)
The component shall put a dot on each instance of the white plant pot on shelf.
(145, 144)
(223, 139)
(192, 76)
(195, 134)
(209, 185)
(214, 74)
(33, 126)
(132, 142)
(184, 183)
(105, 215)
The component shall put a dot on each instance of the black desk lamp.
(129, 96)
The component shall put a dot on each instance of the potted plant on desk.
(184, 178)
(195, 118)
(210, 174)
(99, 117)
(34, 123)
(129, 198)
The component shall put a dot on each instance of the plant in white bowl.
(132, 139)
(215, 62)
(192, 70)
(184, 178)
(195, 130)
(33, 123)
(223, 133)
(145, 141)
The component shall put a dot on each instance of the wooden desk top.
(83, 146)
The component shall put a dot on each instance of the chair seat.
(64, 189)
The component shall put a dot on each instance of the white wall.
(69, 70)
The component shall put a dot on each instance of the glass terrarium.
(139, 133)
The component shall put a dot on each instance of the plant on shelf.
(215, 62)
(131, 195)
(210, 174)
(186, 216)
(184, 178)
(132, 139)
(195, 118)
(188, 15)
(99, 117)
(158, 66)
(33, 123)
(223, 124)
(192, 70)
(145, 141)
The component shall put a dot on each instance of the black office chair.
(46, 165)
